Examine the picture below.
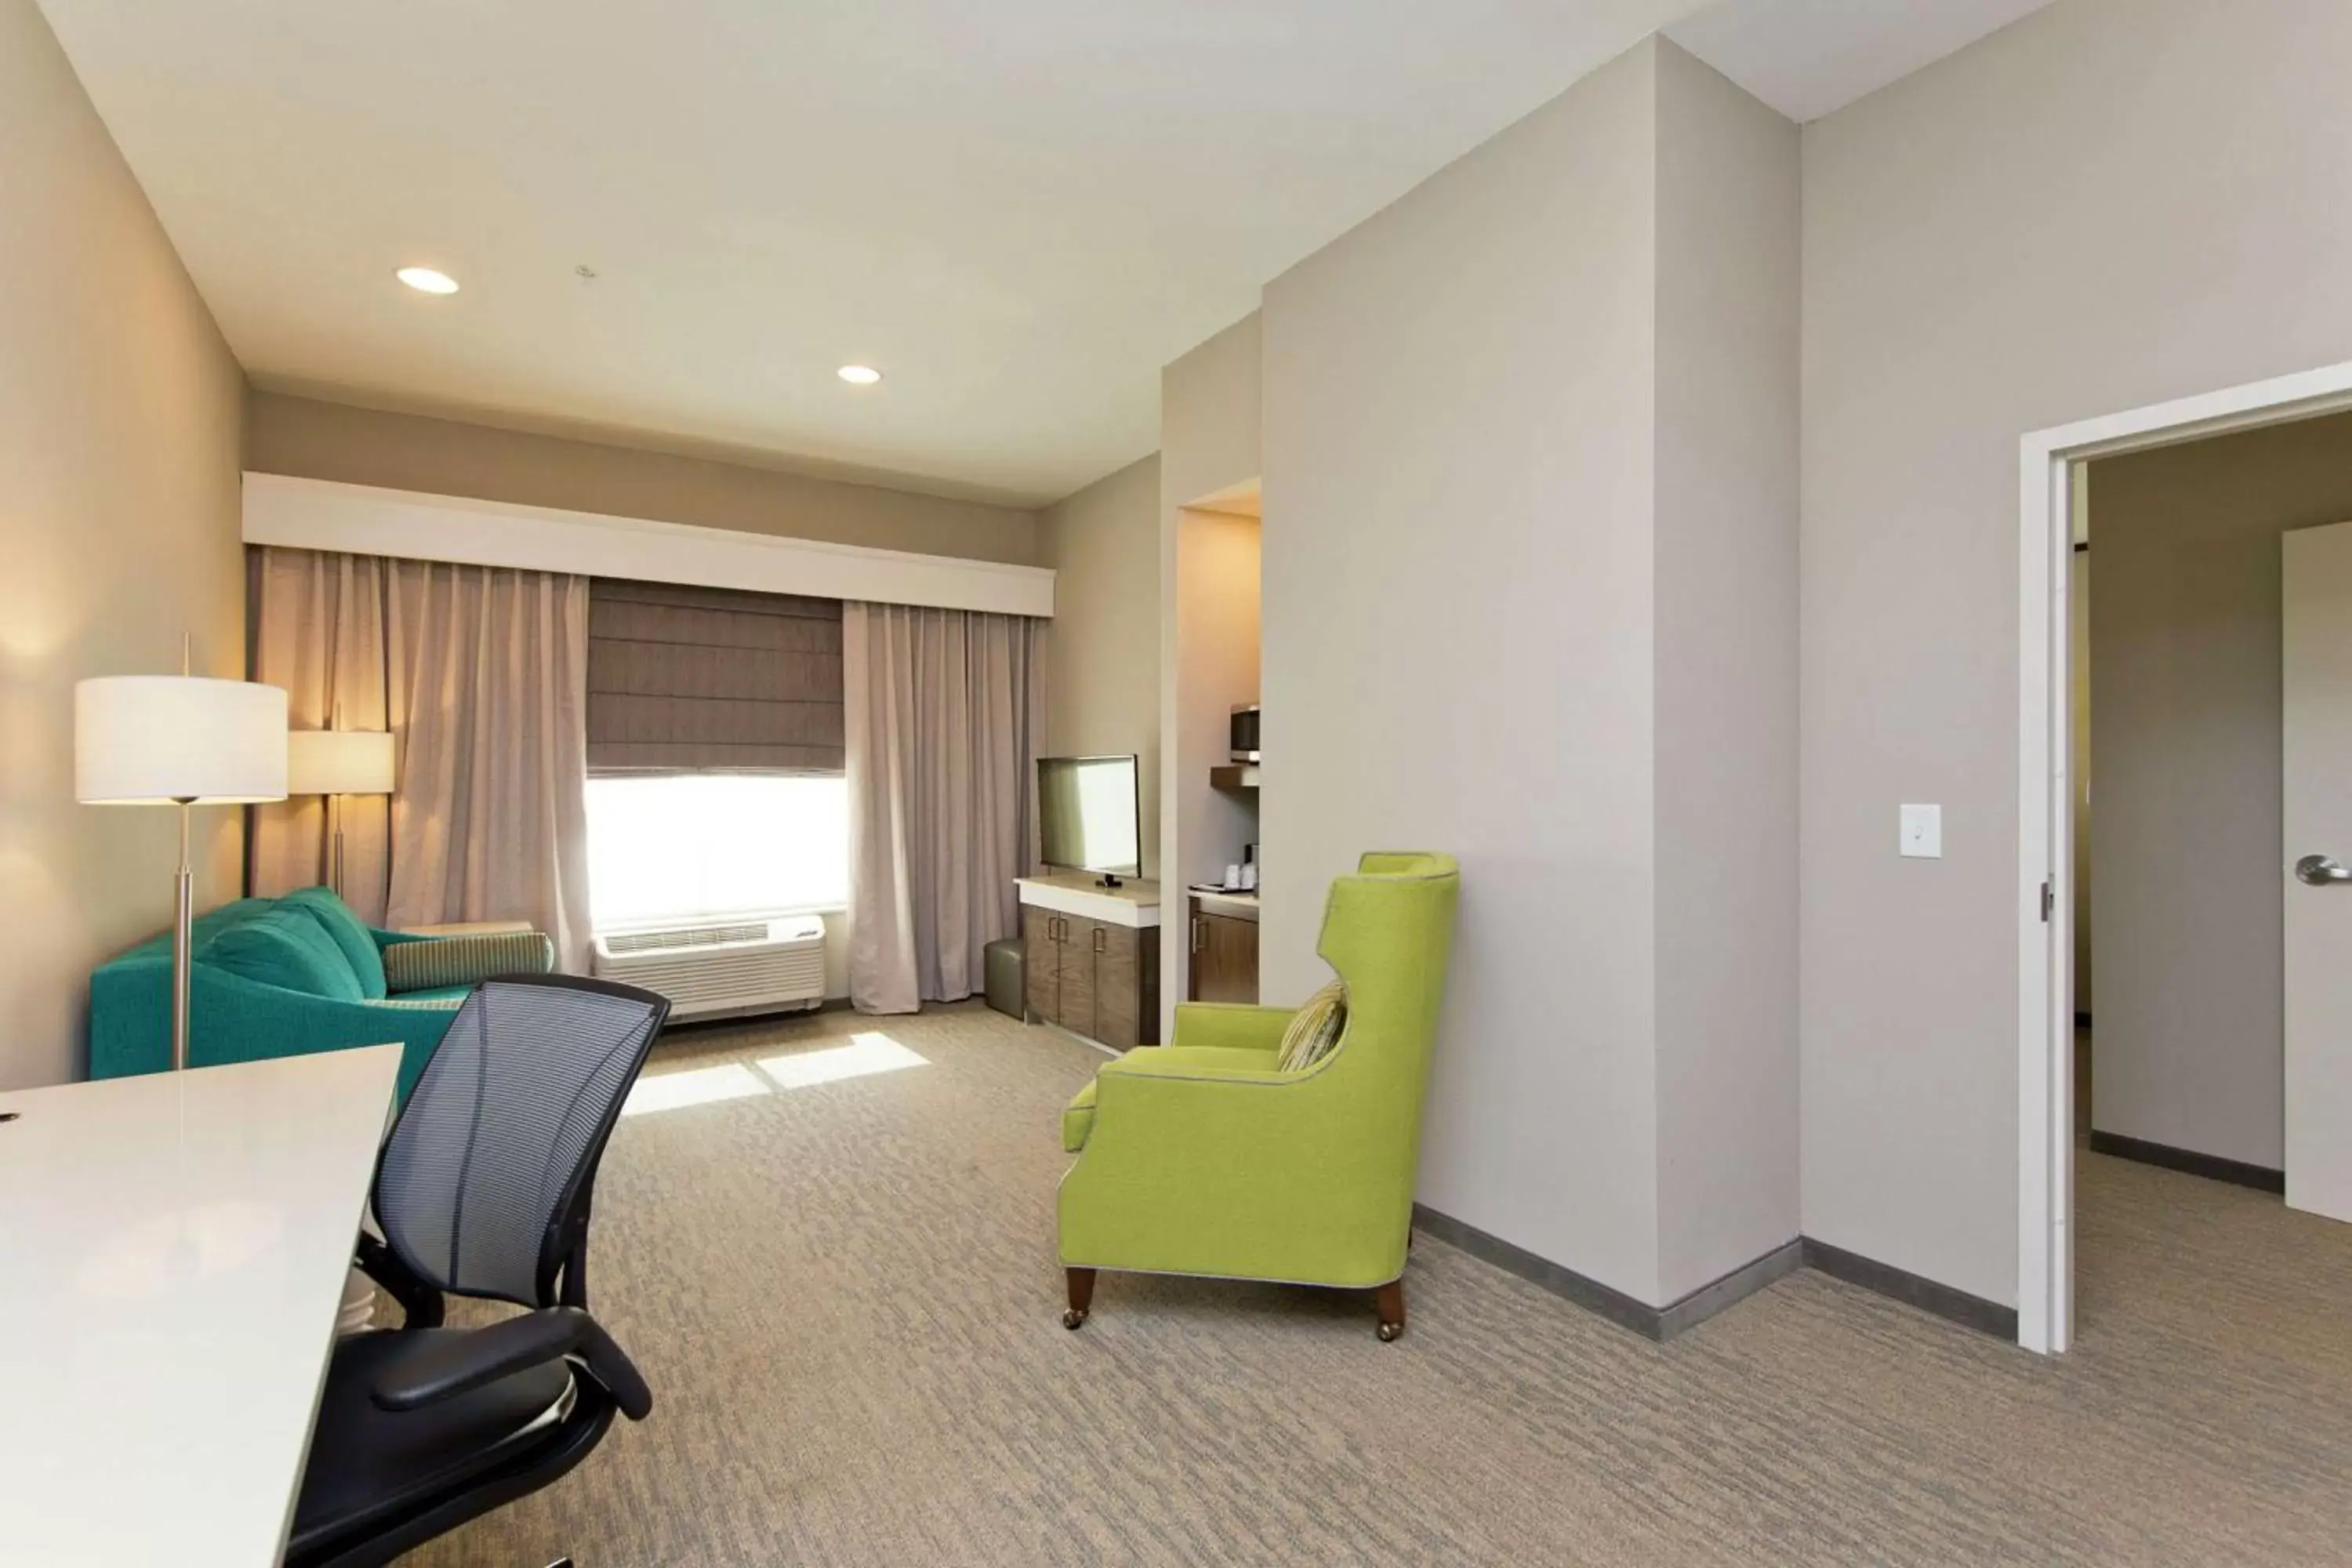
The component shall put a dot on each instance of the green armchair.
(1204, 1157)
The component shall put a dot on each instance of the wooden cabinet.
(1076, 952)
(1095, 978)
(1223, 948)
(1041, 963)
(1118, 990)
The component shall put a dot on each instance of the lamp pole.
(184, 903)
(183, 917)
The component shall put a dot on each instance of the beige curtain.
(318, 630)
(940, 718)
(489, 671)
(482, 674)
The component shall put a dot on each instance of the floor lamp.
(183, 740)
(334, 763)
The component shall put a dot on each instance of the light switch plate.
(1923, 831)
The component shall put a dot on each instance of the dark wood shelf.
(1233, 776)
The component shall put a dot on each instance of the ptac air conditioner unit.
(716, 970)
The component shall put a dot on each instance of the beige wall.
(1210, 426)
(2184, 647)
(1218, 583)
(1102, 656)
(119, 438)
(1458, 647)
(2109, 204)
(1530, 598)
(312, 439)
(1725, 673)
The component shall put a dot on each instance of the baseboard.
(1659, 1324)
(1663, 1323)
(1912, 1290)
(2213, 1167)
(1742, 1282)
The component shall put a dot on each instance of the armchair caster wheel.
(1082, 1296)
(1389, 1301)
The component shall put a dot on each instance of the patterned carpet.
(844, 1297)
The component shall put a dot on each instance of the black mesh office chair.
(483, 1191)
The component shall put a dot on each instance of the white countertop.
(172, 1249)
(1237, 902)
(1134, 902)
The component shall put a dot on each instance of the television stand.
(1090, 956)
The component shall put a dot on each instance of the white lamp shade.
(151, 739)
(338, 762)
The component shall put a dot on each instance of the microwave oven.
(1244, 736)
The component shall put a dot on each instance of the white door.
(2316, 662)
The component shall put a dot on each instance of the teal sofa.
(280, 977)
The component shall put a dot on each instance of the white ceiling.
(1019, 210)
(1812, 57)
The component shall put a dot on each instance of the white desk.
(172, 1251)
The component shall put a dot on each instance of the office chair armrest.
(452, 1365)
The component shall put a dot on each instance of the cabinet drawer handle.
(1197, 924)
(1100, 936)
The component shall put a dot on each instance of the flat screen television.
(1088, 815)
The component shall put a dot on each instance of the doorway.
(2059, 472)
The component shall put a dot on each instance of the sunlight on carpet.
(865, 1055)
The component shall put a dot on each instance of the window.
(667, 847)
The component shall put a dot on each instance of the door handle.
(2319, 871)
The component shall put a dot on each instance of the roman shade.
(690, 679)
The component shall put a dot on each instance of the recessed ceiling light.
(425, 281)
(859, 375)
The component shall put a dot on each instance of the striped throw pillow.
(465, 960)
(1316, 1028)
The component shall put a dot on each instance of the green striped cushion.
(1314, 1030)
(463, 960)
